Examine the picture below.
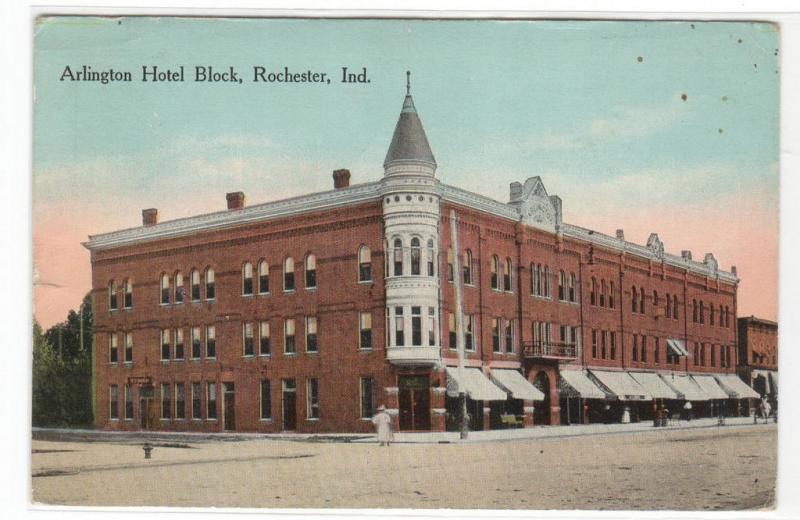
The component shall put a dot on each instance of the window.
(211, 342)
(180, 401)
(112, 348)
(247, 279)
(711, 314)
(288, 274)
(468, 267)
(166, 401)
(311, 272)
(211, 401)
(112, 295)
(165, 289)
(431, 326)
(562, 285)
(312, 401)
(594, 343)
(668, 309)
(311, 334)
(656, 351)
(694, 311)
(634, 299)
(210, 288)
(263, 277)
(128, 288)
(593, 292)
(450, 264)
(702, 313)
(399, 336)
(535, 273)
(644, 349)
(641, 300)
(415, 256)
(635, 348)
(572, 295)
(603, 344)
(495, 335)
(364, 265)
(611, 294)
(128, 402)
(266, 400)
(128, 347)
(451, 321)
(546, 282)
(398, 257)
(196, 343)
(509, 269)
(367, 384)
(178, 343)
(179, 289)
(713, 355)
(365, 330)
(165, 349)
(468, 343)
(602, 293)
(288, 337)
(727, 317)
(263, 338)
(431, 258)
(194, 279)
(702, 354)
(613, 337)
(655, 301)
(247, 339)
(510, 336)
(197, 406)
(416, 326)
(495, 272)
(113, 402)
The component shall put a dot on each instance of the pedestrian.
(762, 408)
(383, 425)
(687, 411)
(626, 415)
(767, 411)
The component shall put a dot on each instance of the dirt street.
(708, 469)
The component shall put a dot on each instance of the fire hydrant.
(147, 449)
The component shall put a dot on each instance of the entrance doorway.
(147, 412)
(229, 406)
(415, 403)
(541, 413)
(289, 404)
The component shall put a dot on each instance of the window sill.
(177, 360)
(366, 419)
(211, 358)
(113, 419)
(265, 356)
(113, 363)
(247, 295)
(211, 300)
(265, 420)
(290, 354)
(248, 356)
(129, 420)
(365, 282)
(262, 294)
(127, 309)
(365, 349)
(288, 291)
(165, 420)
(312, 352)
(211, 420)
(163, 304)
(128, 363)
(312, 419)
(197, 419)
(311, 289)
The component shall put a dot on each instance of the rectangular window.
(197, 406)
(367, 397)
(195, 281)
(211, 292)
(113, 402)
(365, 331)
(128, 347)
(179, 290)
(112, 348)
(656, 351)
(603, 338)
(128, 403)
(510, 336)
(211, 342)
(112, 296)
(166, 351)
(263, 279)
(263, 338)
(311, 272)
(495, 335)
(211, 401)
(416, 326)
(164, 290)
(266, 400)
(431, 326)
(399, 336)
(635, 349)
(713, 356)
(613, 345)
(312, 344)
(451, 322)
(594, 343)
(644, 349)
(312, 398)
(288, 336)
(166, 401)
(247, 339)
(178, 343)
(247, 279)
(196, 347)
(468, 342)
(288, 279)
(129, 294)
(180, 401)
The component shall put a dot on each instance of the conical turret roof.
(409, 142)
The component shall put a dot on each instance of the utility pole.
(459, 315)
(80, 347)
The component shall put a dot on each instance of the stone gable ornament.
(711, 262)
(536, 208)
(655, 245)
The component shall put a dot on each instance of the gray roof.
(409, 142)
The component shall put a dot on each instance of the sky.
(667, 127)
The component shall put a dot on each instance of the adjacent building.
(307, 313)
(758, 356)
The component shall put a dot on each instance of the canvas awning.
(476, 385)
(685, 387)
(654, 385)
(519, 387)
(735, 387)
(677, 346)
(622, 385)
(577, 384)
(710, 386)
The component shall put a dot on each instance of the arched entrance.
(541, 413)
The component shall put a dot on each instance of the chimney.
(149, 217)
(235, 200)
(733, 271)
(341, 179)
(621, 234)
(686, 254)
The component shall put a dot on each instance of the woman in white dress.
(383, 424)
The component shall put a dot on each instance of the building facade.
(758, 356)
(305, 314)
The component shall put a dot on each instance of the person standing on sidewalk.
(383, 425)
(687, 411)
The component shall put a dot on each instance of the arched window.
(668, 308)
(727, 317)
(562, 292)
(180, 290)
(495, 271)
(694, 311)
(507, 275)
(164, 289)
(288, 274)
(263, 277)
(611, 294)
(450, 264)
(247, 279)
(602, 293)
(536, 287)
(311, 272)
(641, 300)
(634, 299)
(721, 314)
(711, 314)
(655, 300)
(593, 292)
(398, 257)
(675, 306)
(468, 267)
(194, 280)
(572, 288)
(112, 295)
(431, 258)
(415, 256)
(364, 264)
(128, 289)
(546, 282)
(635, 348)
(211, 292)
(702, 312)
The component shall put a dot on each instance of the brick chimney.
(341, 178)
(149, 217)
(686, 254)
(733, 271)
(235, 200)
(621, 234)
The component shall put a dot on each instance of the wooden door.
(229, 404)
(289, 405)
(415, 403)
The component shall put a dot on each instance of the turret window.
(398, 257)
(415, 256)
(431, 258)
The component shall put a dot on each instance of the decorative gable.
(655, 245)
(535, 207)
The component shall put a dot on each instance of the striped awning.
(736, 388)
(677, 346)
(685, 387)
(621, 385)
(576, 383)
(514, 383)
(710, 386)
(476, 385)
(654, 384)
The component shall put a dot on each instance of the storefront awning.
(677, 346)
(654, 385)
(622, 385)
(710, 386)
(476, 385)
(685, 387)
(519, 387)
(735, 387)
(576, 383)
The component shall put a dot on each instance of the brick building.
(758, 355)
(306, 313)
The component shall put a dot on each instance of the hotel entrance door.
(415, 403)
(228, 404)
